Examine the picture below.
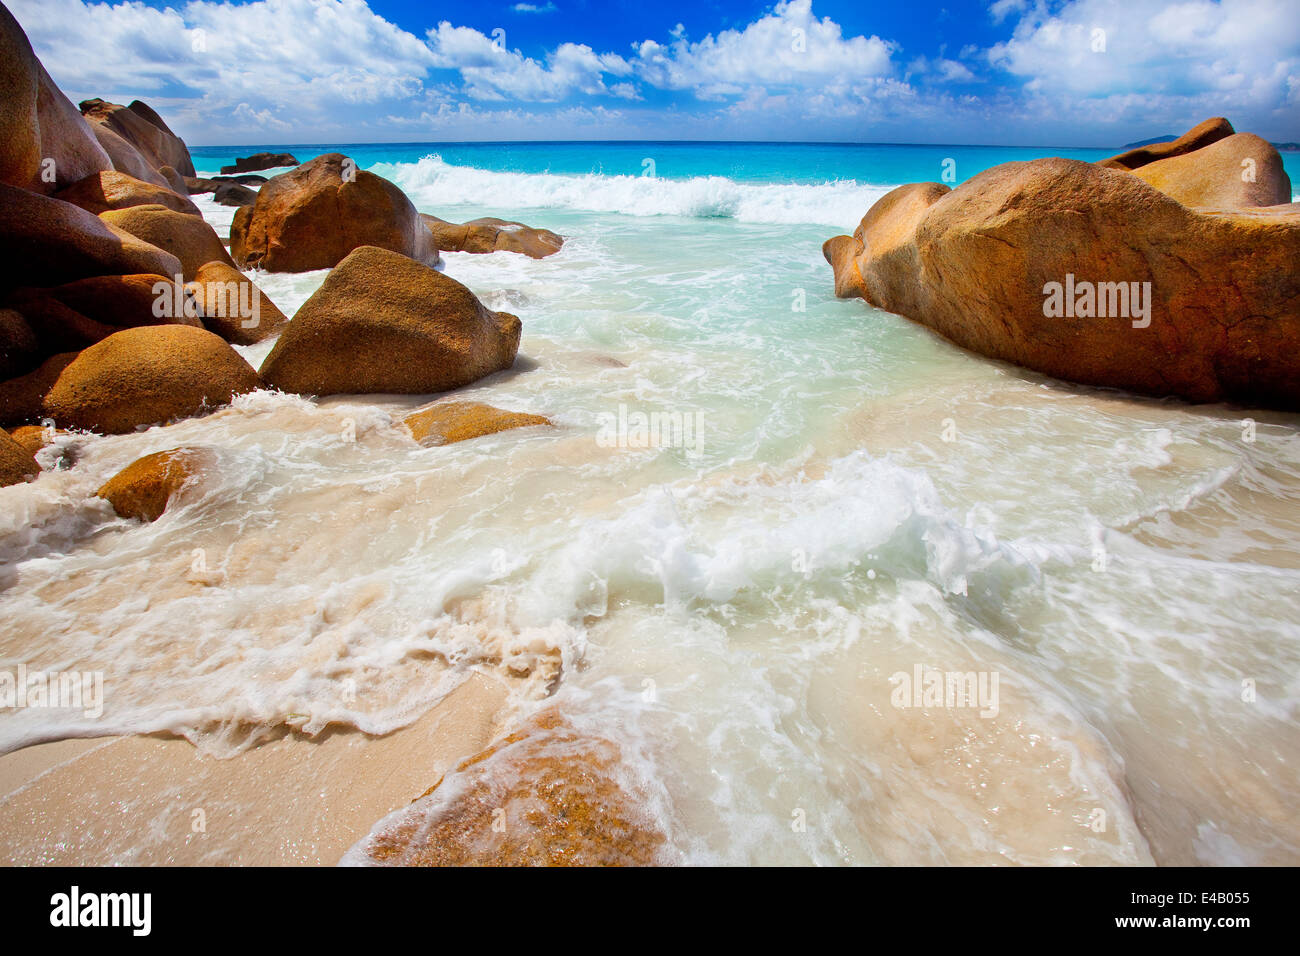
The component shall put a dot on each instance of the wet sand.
(149, 800)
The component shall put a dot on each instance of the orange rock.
(1222, 290)
(33, 438)
(231, 305)
(1238, 171)
(493, 235)
(1203, 134)
(144, 488)
(126, 158)
(107, 189)
(313, 216)
(382, 322)
(544, 796)
(145, 130)
(47, 242)
(148, 376)
(44, 142)
(188, 238)
(450, 422)
(16, 463)
(77, 314)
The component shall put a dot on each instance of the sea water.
(891, 603)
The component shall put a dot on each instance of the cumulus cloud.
(788, 47)
(1233, 52)
(316, 70)
(492, 71)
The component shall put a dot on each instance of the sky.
(998, 72)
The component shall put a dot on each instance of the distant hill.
(1149, 142)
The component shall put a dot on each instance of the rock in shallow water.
(384, 323)
(547, 795)
(493, 235)
(450, 422)
(144, 488)
(16, 462)
(1163, 299)
(312, 217)
(147, 376)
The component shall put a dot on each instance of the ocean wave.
(433, 183)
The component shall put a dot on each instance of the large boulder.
(188, 238)
(251, 164)
(19, 344)
(125, 157)
(1091, 275)
(44, 142)
(22, 399)
(77, 314)
(1234, 172)
(1203, 134)
(148, 376)
(230, 304)
(493, 235)
(144, 488)
(108, 189)
(382, 322)
(313, 216)
(47, 242)
(145, 130)
(16, 462)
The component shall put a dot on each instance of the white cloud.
(492, 71)
(533, 8)
(789, 47)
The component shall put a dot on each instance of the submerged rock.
(1091, 275)
(144, 488)
(547, 795)
(493, 235)
(16, 462)
(450, 422)
(382, 322)
(148, 376)
(312, 217)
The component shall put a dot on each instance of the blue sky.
(1011, 72)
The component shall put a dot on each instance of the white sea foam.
(434, 183)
